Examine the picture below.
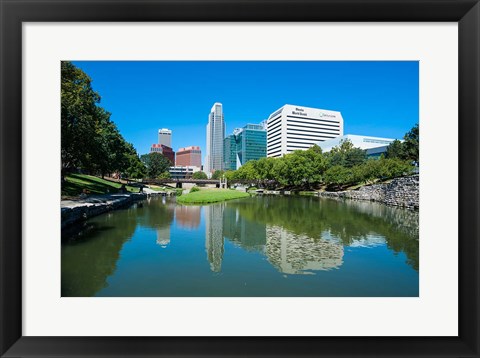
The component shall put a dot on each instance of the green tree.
(355, 156)
(395, 150)
(135, 169)
(199, 175)
(90, 140)
(165, 175)
(339, 176)
(411, 144)
(394, 167)
(294, 172)
(345, 154)
(248, 172)
(368, 172)
(265, 171)
(217, 174)
(155, 164)
(78, 118)
(316, 165)
(230, 175)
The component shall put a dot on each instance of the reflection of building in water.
(250, 235)
(163, 236)
(363, 240)
(368, 241)
(295, 254)
(214, 235)
(187, 216)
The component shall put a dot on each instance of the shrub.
(194, 189)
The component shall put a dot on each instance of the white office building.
(298, 128)
(374, 146)
(165, 137)
(183, 172)
(215, 136)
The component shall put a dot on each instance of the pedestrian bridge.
(178, 182)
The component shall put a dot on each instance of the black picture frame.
(15, 12)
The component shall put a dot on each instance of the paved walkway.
(102, 199)
(93, 199)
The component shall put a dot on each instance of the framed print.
(239, 178)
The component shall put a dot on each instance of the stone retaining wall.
(401, 192)
(76, 211)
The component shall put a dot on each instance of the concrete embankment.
(400, 192)
(74, 211)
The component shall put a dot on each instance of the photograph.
(240, 178)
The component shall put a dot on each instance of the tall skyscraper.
(165, 137)
(215, 136)
(298, 128)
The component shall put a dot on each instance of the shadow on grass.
(75, 184)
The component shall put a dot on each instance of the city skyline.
(375, 98)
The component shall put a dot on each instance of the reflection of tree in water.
(90, 256)
(348, 221)
(249, 234)
(298, 254)
(188, 216)
(214, 235)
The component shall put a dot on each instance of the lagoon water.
(258, 246)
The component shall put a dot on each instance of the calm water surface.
(259, 246)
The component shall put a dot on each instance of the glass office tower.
(247, 143)
(251, 143)
(230, 153)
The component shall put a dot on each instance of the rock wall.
(76, 211)
(401, 192)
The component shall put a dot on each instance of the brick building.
(166, 151)
(189, 156)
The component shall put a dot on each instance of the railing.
(189, 180)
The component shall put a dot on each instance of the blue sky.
(375, 98)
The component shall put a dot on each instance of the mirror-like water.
(259, 246)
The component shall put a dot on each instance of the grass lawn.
(75, 184)
(161, 188)
(210, 196)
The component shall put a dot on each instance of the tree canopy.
(90, 141)
(199, 175)
(156, 165)
(411, 144)
(345, 165)
(408, 149)
(217, 174)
